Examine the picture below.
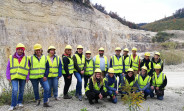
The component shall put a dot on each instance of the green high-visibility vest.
(142, 83)
(70, 66)
(106, 80)
(97, 62)
(158, 81)
(148, 69)
(53, 67)
(95, 85)
(127, 83)
(154, 64)
(127, 62)
(117, 65)
(37, 69)
(80, 62)
(135, 62)
(19, 71)
(89, 68)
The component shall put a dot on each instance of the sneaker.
(67, 96)
(37, 102)
(57, 99)
(20, 105)
(48, 100)
(46, 105)
(80, 97)
(11, 108)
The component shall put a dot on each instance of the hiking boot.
(80, 97)
(91, 102)
(46, 105)
(37, 102)
(67, 96)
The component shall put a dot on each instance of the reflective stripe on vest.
(89, 68)
(37, 69)
(142, 83)
(19, 71)
(80, 61)
(95, 85)
(127, 63)
(97, 62)
(158, 81)
(135, 62)
(106, 80)
(117, 64)
(70, 66)
(53, 67)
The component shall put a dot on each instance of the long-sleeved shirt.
(66, 61)
(118, 57)
(8, 76)
(59, 68)
(102, 63)
(108, 83)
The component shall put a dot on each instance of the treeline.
(179, 13)
(116, 16)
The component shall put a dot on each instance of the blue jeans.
(53, 84)
(110, 93)
(158, 97)
(79, 83)
(146, 92)
(44, 84)
(120, 77)
(17, 84)
(86, 78)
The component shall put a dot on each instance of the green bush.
(162, 37)
(170, 45)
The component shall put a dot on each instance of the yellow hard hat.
(68, 47)
(157, 66)
(117, 48)
(20, 45)
(79, 47)
(126, 49)
(144, 67)
(98, 70)
(157, 53)
(147, 54)
(130, 70)
(101, 48)
(51, 47)
(37, 46)
(111, 70)
(88, 52)
(134, 48)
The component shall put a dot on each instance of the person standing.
(135, 61)
(127, 60)
(147, 62)
(157, 60)
(38, 74)
(17, 73)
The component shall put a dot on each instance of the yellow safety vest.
(158, 81)
(117, 65)
(142, 83)
(127, 62)
(19, 71)
(154, 64)
(70, 66)
(97, 62)
(53, 67)
(127, 83)
(149, 69)
(106, 80)
(80, 62)
(89, 68)
(135, 62)
(95, 86)
(37, 69)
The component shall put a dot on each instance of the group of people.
(100, 75)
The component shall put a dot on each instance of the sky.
(142, 11)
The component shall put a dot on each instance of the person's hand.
(44, 79)
(100, 96)
(157, 88)
(9, 80)
(152, 87)
(82, 72)
(113, 97)
(69, 77)
(27, 81)
(116, 92)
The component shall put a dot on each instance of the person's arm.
(151, 82)
(60, 69)
(116, 86)
(137, 85)
(124, 67)
(139, 65)
(151, 71)
(109, 88)
(111, 62)
(94, 59)
(91, 87)
(130, 63)
(75, 64)
(84, 68)
(46, 69)
(27, 78)
(107, 64)
(146, 87)
(162, 66)
(66, 62)
(164, 84)
(8, 77)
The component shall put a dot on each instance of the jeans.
(120, 77)
(146, 92)
(44, 84)
(86, 78)
(79, 83)
(17, 84)
(110, 93)
(53, 84)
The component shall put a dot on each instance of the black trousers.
(67, 83)
(92, 95)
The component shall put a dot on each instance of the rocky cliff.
(56, 22)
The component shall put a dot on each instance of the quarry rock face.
(59, 23)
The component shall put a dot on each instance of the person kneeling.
(110, 85)
(94, 89)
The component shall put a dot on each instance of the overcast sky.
(141, 11)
